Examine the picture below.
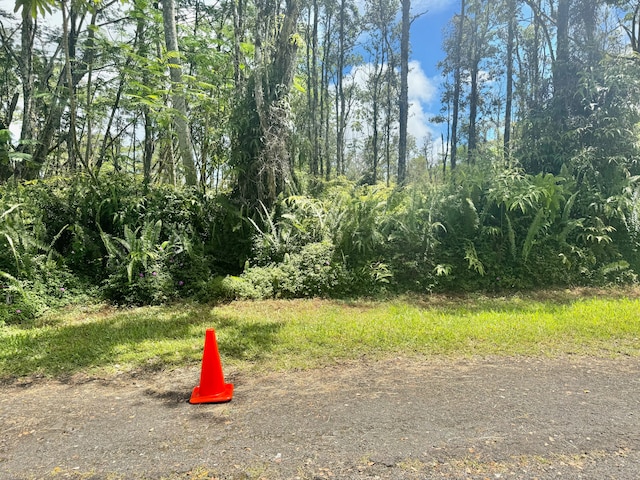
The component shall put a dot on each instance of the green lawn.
(281, 334)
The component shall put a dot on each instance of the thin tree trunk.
(387, 125)
(72, 141)
(404, 91)
(479, 29)
(324, 95)
(340, 101)
(71, 75)
(376, 109)
(238, 32)
(315, 130)
(177, 97)
(26, 74)
(457, 87)
(561, 64)
(89, 146)
(142, 47)
(473, 113)
(509, 86)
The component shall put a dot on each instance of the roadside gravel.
(520, 418)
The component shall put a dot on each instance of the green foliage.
(33, 276)
(136, 251)
(140, 255)
(311, 272)
(108, 232)
(490, 227)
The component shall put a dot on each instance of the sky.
(426, 51)
(424, 78)
(426, 31)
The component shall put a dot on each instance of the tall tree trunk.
(472, 144)
(149, 145)
(71, 75)
(633, 31)
(588, 13)
(340, 101)
(509, 74)
(143, 49)
(479, 31)
(51, 125)
(26, 77)
(375, 136)
(177, 97)
(324, 95)
(238, 37)
(389, 103)
(404, 91)
(89, 146)
(325, 104)
(68, 44)
(315, 130)
(456, 86)
(561, 76)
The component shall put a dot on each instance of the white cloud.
(418, 125)
(431, 6)
(423, 93)
(421, 87)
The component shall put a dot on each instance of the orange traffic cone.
(212, 388)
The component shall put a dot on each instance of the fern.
(511, 235)
(137, 248)
(471, 256)
(538, 225)
(442, 270)
(470, 215)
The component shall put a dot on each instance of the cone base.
(224, 396)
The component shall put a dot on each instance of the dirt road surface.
(501, 418)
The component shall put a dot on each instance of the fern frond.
(471, 256)
(539, 223)
(511, 235)
(12, 208)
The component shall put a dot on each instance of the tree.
(348, 26)
(562, 71)
(379, 98)
(509, 54)
(404, 91)
(630, 20)
(479, 47)
(261, 154)
(327, 68)
(457, 79)
(178, 99)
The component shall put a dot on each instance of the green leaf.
(297, 84)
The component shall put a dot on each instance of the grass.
(294, 334)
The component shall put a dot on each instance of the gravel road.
(497, 418)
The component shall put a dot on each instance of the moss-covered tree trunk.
(262, 123)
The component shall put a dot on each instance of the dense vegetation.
(238, 157)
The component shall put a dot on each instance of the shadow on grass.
(135, 340)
